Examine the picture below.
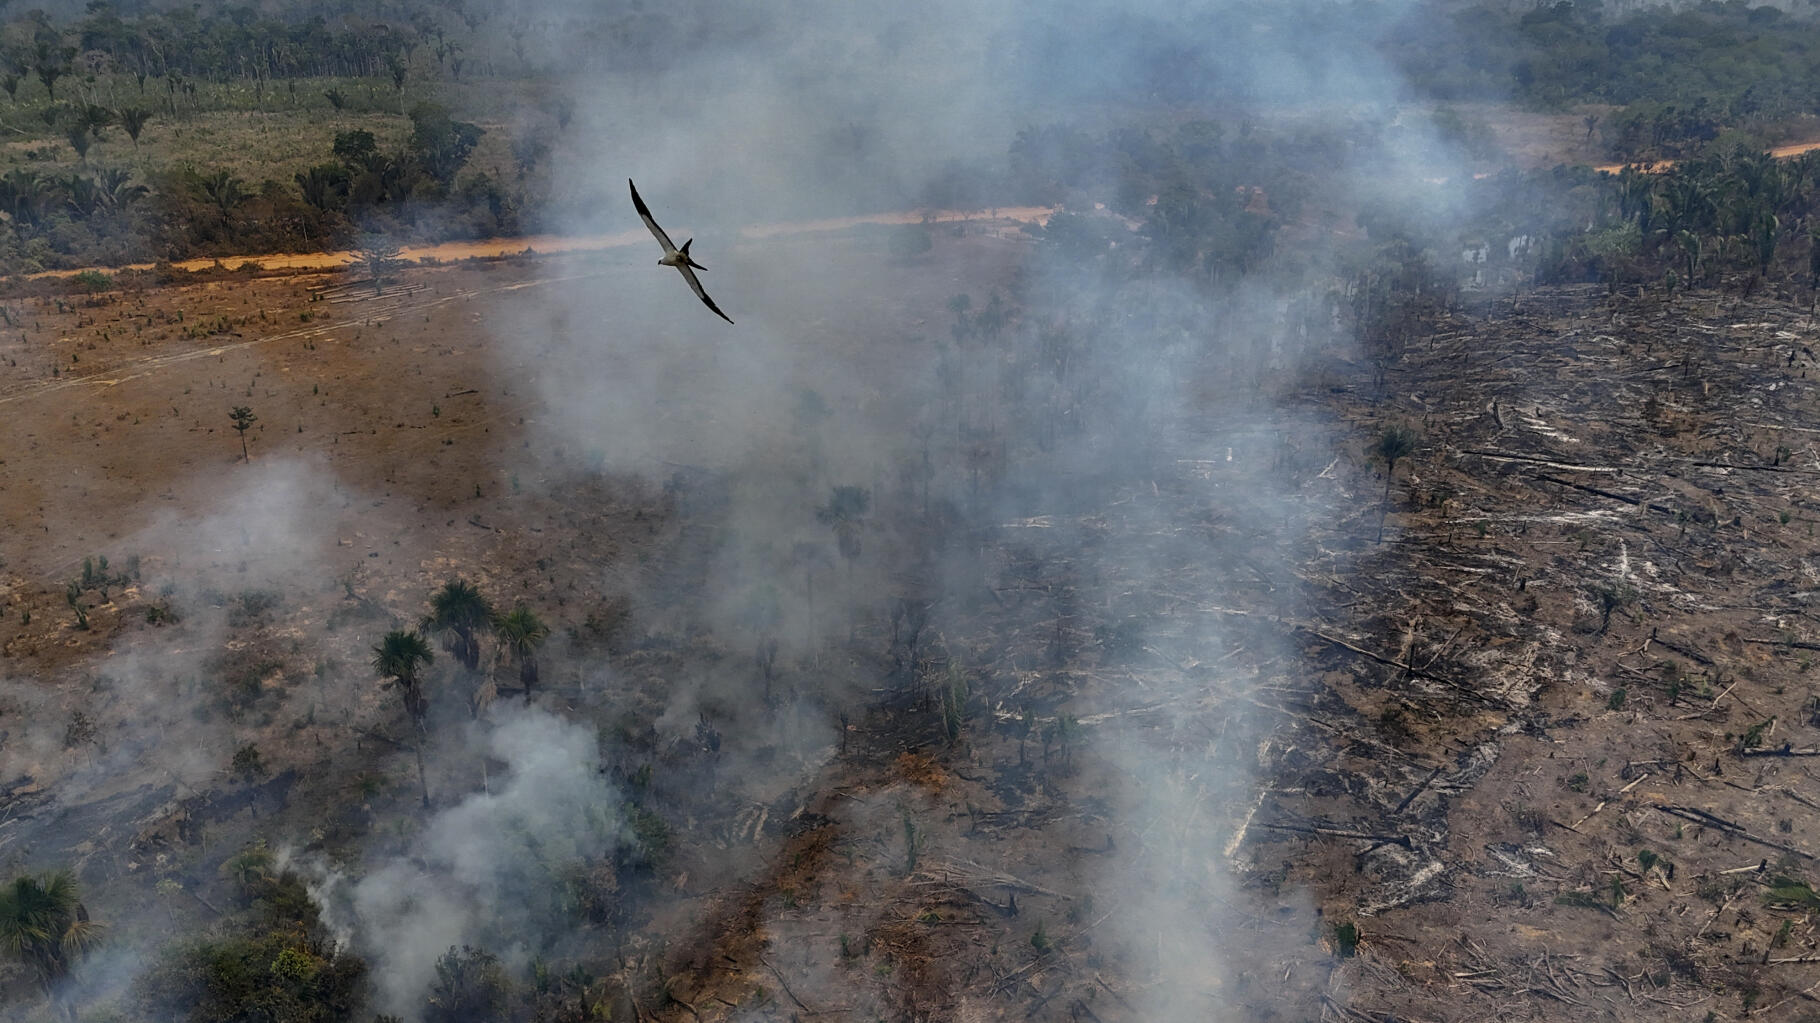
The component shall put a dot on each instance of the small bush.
(1788, 891)
(251, 606)
(94, 281)
(909, 242)
(653, 840)
(1039, 939)
(247, 764)
(1346, 939)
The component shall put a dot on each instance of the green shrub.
(280, 966)
(470, 987)
(1346, 939)
(94, 281)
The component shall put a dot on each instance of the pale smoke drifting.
(818, 108)
(266, 531)
(805, 108)
(487, 870)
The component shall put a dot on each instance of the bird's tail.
(688, 258)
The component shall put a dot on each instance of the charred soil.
(1528, 728)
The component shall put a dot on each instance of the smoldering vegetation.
(911, 646)
(877, 516)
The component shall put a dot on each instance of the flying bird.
(673, 256)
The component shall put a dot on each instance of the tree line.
(1743, 216)
(172, 46)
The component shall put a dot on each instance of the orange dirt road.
(1779, 152)
(549, 243)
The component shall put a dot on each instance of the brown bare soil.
(1548, 746)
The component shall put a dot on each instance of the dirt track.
(549, 243)
(1779, 152)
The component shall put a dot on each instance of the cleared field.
(1548, 732)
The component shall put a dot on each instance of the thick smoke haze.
(836, 376)
(819, 109)
(480, 872)
(809, 108)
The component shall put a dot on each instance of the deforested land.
(1251, 531)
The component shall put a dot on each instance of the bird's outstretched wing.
(695, 283)
(645, 212)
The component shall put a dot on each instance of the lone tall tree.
(459, 611)
(44, 925)
(845, 513)
(1394, 444)
(244, 419)
(398, 658)
(521, 632)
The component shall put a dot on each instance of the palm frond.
(82, 936)
(484, 696)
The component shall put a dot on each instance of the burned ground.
(1532, 736)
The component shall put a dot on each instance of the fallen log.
(1418, 790)
(1690, 654)
(1604, 802)
(1705, 819)
(1412, 670)
(1632, 501)
(1551, 463)
(1795, 643)
(1314, 829)
(1754, 468)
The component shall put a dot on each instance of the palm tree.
(458, 609)
(1634, 194)
(400, 71)
(24, 194)
(845, 513)
(521, 632)
(118, 190)
(82, 196)
(1394, 444)
(134, 120)
(1691, 248)
(94, 117)
(322, 184)
(244, 419)
(1690, 205)
(397, 658)
(44, 925)
(79, 140)
(51, 62)
(223, 190)
(1765, 235)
